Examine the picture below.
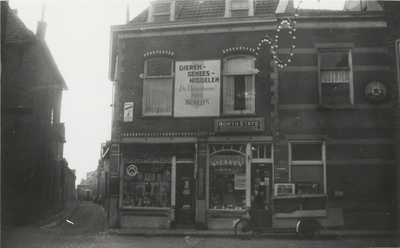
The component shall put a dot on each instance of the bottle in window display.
(165, 196)
(139, 197)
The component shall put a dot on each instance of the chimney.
(41, 27)
(127, 14)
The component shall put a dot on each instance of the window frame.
(397, 43)
(229, 10)
(241, 149)
(313, 162)
(161, 181)
(325, 49)
(152, 15)
(146, 85)
(246, 73)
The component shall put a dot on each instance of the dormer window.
(239, 8)
(161, 11)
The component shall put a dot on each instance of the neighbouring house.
(35, 178)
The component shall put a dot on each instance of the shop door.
(261, 191)
(185, 195)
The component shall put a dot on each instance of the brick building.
(208, 116)
(36, 180)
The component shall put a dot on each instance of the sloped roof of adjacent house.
(18, 33)
(191, 10)
(16, 30)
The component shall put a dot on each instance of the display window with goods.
(147, 185)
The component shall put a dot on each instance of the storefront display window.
(147, 185)
(227, 182)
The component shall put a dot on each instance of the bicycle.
(246, 227)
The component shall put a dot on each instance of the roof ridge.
(190, 10)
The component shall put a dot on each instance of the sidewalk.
(230, 233)
(61, 217)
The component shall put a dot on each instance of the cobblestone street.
(83, 225)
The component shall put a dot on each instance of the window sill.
(335, 107)
(238, 114)
(156, 116)
(146, 208)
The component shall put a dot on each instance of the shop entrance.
(261, 191)
(185, 195)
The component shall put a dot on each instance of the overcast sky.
(78, 34)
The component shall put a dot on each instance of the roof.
(191, 10)
(16, 30)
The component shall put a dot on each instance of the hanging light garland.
(289, 23)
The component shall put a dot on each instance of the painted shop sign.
(239, 125)
(221, 160)
(197, 88)
(149, 160)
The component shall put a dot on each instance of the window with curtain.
(238, 86)
(157, 90)
(336, 79)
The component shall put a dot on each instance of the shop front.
(172, 186)
(239, 176)
(157, 190)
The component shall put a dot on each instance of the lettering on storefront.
(220, 160)
(239, 125)
(227, 162)
(149, 160)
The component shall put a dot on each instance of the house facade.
(221, 105)
(36, 180)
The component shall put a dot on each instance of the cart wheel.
(308, 228)
(244, 229)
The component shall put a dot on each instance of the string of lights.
(273, 42)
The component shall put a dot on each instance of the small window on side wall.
(238, 86)
(157, 88)
(335, 77)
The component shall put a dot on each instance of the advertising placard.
(197, 88)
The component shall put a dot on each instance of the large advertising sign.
(197, 88)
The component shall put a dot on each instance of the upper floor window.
(335, 77)
(239, 8)
(157, 89)
(161, 11)
(238, 86)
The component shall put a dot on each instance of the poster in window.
(149, 177)
(197, 88)
(240, 181)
